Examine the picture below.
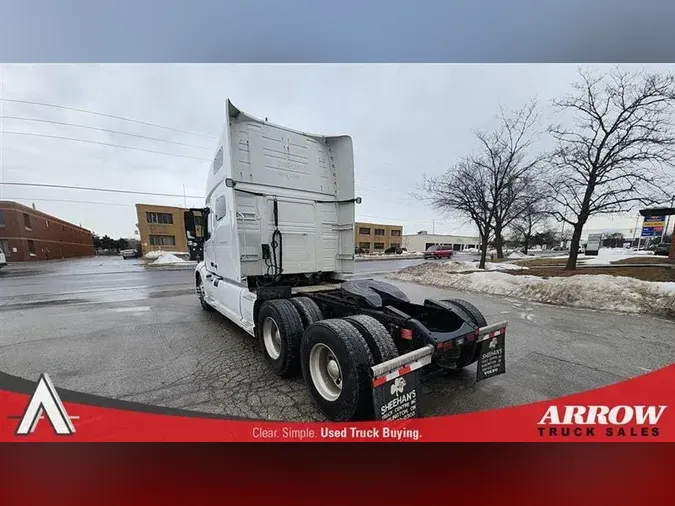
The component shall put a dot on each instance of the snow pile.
(603, 292)
(154, 255)
(607, 255)
(466, 266)
(517, 254)
(168, 258)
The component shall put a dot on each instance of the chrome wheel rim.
(325, 371)
(271, 338)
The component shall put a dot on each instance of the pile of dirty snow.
(466, 266)
(154, 255)
(168, 258)
(517, 254)
(603, 292)
(607, 255)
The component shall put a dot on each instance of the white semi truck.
(277, 233)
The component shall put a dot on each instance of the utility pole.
(184, 197)
(665, 230)
(632, 242)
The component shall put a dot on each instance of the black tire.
(308, 309)
(354, 401)
(380, 342)
(286, 318)
(200, 293)
(469, 353)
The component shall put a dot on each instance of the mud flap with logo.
(492, 357)
(396, 385)
(397, 399)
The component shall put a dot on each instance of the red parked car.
(438, 252)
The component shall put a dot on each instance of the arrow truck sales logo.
(610, 421)
(45, 401)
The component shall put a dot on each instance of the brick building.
(28, 234)
(372, 237)
(161, 228)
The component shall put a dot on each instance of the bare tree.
(506, 155)
(531, 220)
(614, 155)
(464, 189)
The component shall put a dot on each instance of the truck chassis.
(360, 345)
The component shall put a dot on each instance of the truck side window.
(221, 208)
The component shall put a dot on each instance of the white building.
(422, 240)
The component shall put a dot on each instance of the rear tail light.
(406, 334)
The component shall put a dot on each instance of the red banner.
(636, 410)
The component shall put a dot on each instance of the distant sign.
(593, 244)
(652, 226)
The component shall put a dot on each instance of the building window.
(47, 223)
(396, 233)
(163, 218)
(26, 221)
(4, 246)
(2, 218)
(379, 231)
(379, 245)
(364, 245)
(162, 240)
(31, 247)
(364, 231)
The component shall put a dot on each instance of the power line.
(68, 201)
(42, 104)
(5, 132)
(102, 130)
(85, 188)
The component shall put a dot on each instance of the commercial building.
(371, 237)
(162, 228)
(422, 240)
(28, 234)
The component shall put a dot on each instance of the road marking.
(645, 369)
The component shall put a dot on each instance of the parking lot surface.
(120, 329)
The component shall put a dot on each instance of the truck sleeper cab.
(277, 235)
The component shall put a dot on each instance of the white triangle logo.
(47, 400)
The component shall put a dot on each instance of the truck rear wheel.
(336, 363)
(469, 353)
(308, 310)
(380, 343)
(279, 329)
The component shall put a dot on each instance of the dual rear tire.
(334, 355)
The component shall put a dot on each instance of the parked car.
(129, 253)
(438, 252)
(3, 260)
(662, 249)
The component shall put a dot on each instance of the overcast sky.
(405, 120)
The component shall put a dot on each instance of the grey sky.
(347, 31)
(406, 120)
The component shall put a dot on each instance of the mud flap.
(492, 356)
(396, 385)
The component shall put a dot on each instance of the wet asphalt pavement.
(119, 329)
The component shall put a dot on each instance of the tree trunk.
(574, 247)
(483, 251)
(527, 243)
(499, 242)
